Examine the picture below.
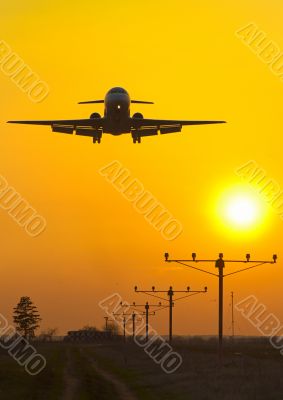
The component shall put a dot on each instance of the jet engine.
(95, 115)
(138, 116)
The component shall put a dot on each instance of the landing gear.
(96, 139)
(136, 139)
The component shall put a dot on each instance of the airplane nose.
(117, 107)
(120, 103)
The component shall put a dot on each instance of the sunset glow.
(242, 211)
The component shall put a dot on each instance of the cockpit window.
(117, 90)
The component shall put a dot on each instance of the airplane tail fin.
(91, 101)
(141, 102)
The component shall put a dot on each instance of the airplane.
(116, 120)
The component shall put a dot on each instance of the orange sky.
(186, 57)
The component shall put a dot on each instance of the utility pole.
(146, 320)
(146, 312)
(133, 315)
(134, 324)
(171, 304)
(124, 328)
(124, 324)
(170, 293)
(232, 312)
(220, 264)
(106, 322)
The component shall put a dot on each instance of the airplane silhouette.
(116, 120)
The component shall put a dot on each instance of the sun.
(241, 209)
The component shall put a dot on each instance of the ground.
(250, 370)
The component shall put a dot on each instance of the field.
(251, 369)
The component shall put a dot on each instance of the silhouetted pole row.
(170, 294)
(220, 264)
(133, 315)
(124, 323)
(147, 313)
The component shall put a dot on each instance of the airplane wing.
(84, 127)
(150, 127)
(166, 122)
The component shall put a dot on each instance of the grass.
(16, 383)
(116, 359)
(91, 384)
(252, 370)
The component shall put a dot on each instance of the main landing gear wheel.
(96, 140)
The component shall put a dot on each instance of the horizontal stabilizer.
(91, 102)
(141, 102)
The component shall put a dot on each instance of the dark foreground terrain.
(251, 369)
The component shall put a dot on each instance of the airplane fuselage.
(117, 112)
